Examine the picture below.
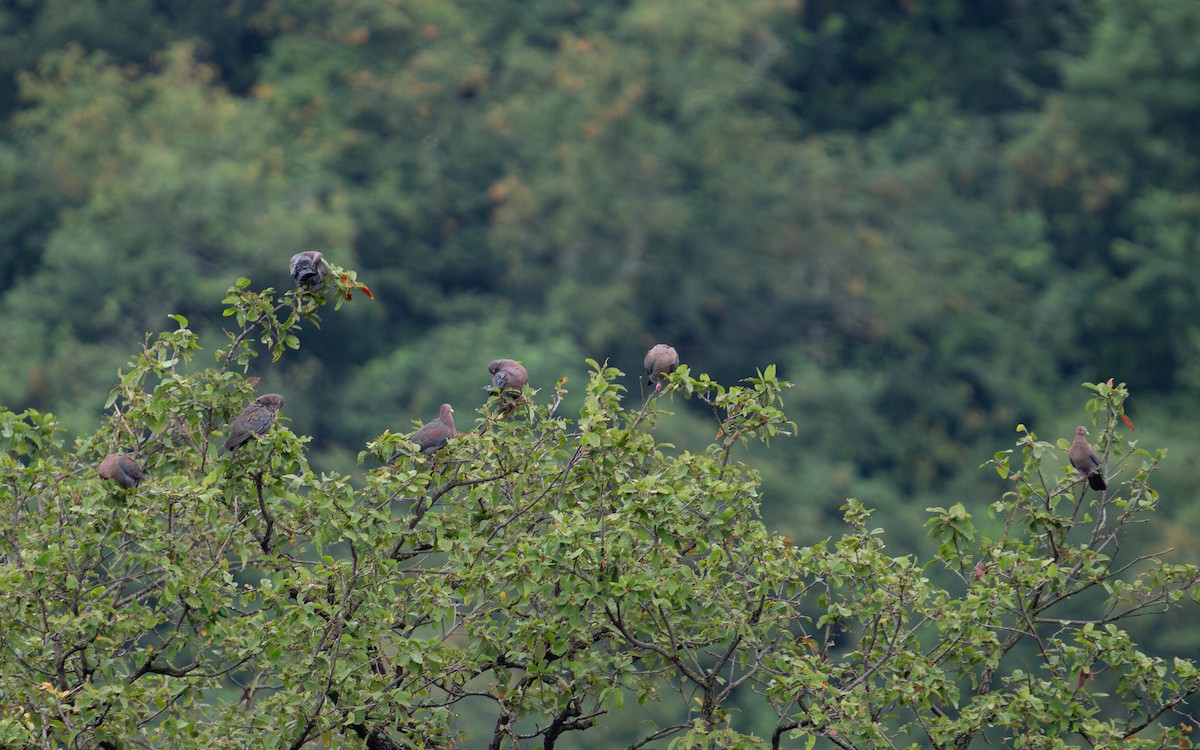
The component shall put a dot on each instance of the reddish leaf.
(1084, 676)
(366, 291)
(1109, 383)
(1128, 422)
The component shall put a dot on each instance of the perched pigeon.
(121, 469)
(308, 268)
(433, 435)
(507, 375)
(660, 362)
(255, 419)
(1084, 458)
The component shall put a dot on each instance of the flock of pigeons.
(509, 377)
(308, 269)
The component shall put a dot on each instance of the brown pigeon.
(308, 268)
(507, 375)
(1084, 458)
(433, 435)
(121, 469)
(660, 362)
(255, 419)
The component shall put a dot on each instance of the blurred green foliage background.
(938, 218)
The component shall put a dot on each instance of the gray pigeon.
(433, 435)
(308, 268)
(1084, 458)
(121, 469)
(660, 362)
(255, 419)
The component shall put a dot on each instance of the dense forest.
(937, 219)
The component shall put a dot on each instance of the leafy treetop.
(551, 572)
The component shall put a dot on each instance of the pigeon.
(1084, 458)
(433, 435)
(308, 268)
(660, 362)
(507, 375)
(255, 419)
(121, 469)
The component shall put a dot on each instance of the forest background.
(937, 218)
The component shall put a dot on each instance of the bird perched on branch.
(121, 469)
(660, 362)
(508, 379)
(507, 375)
(433, 435)
(308, 268)
(1084, 458)
(255, 419)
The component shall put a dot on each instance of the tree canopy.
(540, 577)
